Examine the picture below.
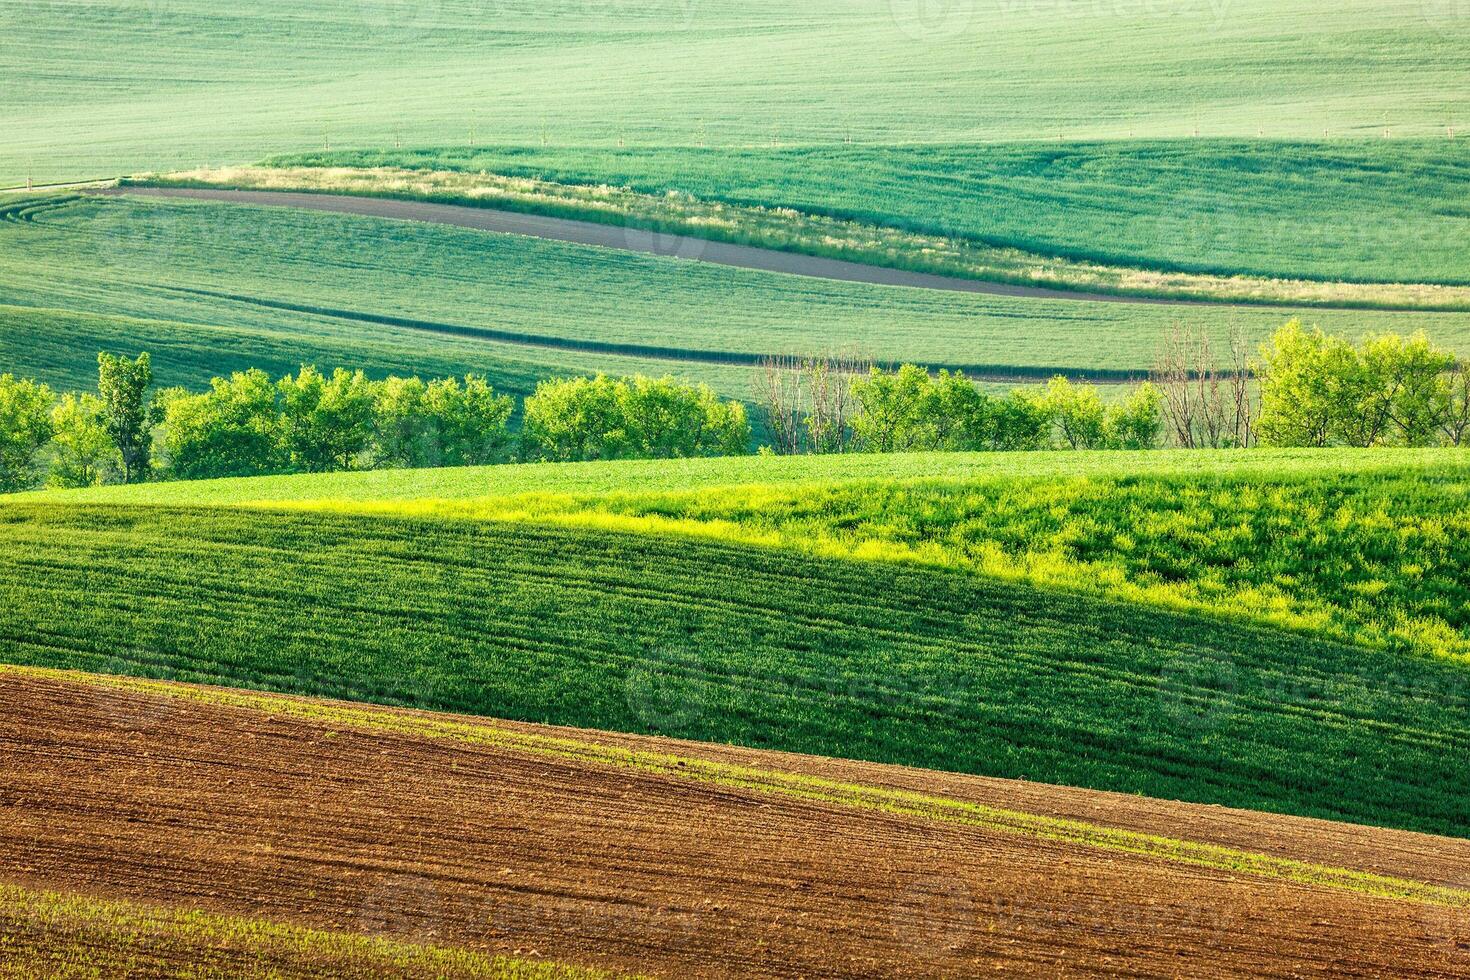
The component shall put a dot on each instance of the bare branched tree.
(829, 424)
(1243, 409)
(1170, 375)
(780, 388)
(1206, 404)
(809, 401)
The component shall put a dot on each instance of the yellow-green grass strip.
(1133, 538)
(797, 786)
(55, 934)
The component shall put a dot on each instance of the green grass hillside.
(119, 85)
(1279, 630)
(222, 285)
(1362, 547)
(1373, 211)
(754, 646)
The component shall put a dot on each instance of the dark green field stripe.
(980, 372)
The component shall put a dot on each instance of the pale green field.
(111, 86)
(223, 287)
(1368, 210)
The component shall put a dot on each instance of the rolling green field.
(1371, 211)
(1280, 630)
(130, 86)
(1287, 631)
(757, 647)
(225, 285)
(1362, 547)
(1144, 135)
(828, 606)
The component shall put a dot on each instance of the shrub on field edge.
(25, 426)
(82, 453)
(441, 423)
(569, 419)
(1322, 390)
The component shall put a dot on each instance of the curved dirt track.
(266, 812)
(628, 239)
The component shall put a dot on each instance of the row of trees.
(840, 404)
(89, 435)
(630, 418)
(1322, 390)
(1305, 388)
(248, 424)
(251, 424)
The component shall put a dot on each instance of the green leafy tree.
(1321, 390)
(25, 426)
(909, 410)
(470, 421)
(895, 410)
(1022, 420)
(83, 453)
(1079, 413)
(576, 419)
(404, 436)
(961, 415)
(123, 387)
(442, 423)
(1137, 421)
(625, 418)
(1302, 374)
(1398, 386)
(1454, 409)
(669, 419)
(234, 429)
(327, 423)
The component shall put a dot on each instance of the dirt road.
(270, 813)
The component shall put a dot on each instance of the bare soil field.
(681, 859)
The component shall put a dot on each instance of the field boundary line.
(976, 372)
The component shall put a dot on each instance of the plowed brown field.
(257, 810)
